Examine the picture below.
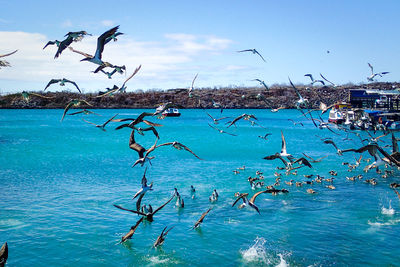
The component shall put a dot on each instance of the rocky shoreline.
(231, 98)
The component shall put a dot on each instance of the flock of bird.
(291, 163)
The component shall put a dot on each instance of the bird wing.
(49, 43)
(372, 68)
(276, 156)
(101, 41)
(295, 89)
(191, 88)
(144, 180)
(74, 83)
(132, 231)
(51, 82)
(309, 75)
(241, 196)
(133, 74)
(303, 161)
(253, 198)
(397, 193)
(9, 54)
(90, 122)
(259, 55)
(326, 79)
(331, 142)
(163, 205)
(246, 50)
(42, 96)
(200, 220)
(104, 124)
(66, 109)
(139, 201)
(133, 211)
(64, 44)
(283, 149)
(152, 123)
(236, 119)
(210, 116)
(108, 92)
(81, 53)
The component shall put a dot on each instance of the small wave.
(256, 253)
(161, 260)
(389, 222)
(389, 210)
(282, 262)
(12, 224)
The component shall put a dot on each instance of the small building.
(388, 100)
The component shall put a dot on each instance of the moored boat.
(171, 112)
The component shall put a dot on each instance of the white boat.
(171, 112)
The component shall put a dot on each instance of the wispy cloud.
(166, 63)
(66, 24)
(108, 23)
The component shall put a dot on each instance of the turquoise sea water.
(59, 181)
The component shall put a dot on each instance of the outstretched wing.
(163, 205)
(133, 74)
(9, 54)
(74, 83)
(51, 82)
(133, 211)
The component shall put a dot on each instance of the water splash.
(389, 210)
(256, 253)
(282, 262)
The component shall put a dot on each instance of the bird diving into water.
(254, 51)
(62, 83)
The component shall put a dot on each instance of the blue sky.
(174, 40)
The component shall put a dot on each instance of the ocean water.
(59, 181)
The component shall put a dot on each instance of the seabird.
(4, 63)
(339, 152)
(373, 75)
(142, 191)
(101, 41)
(119, 69)
(192, 86)
(71, 37)
(56, 42)
(261, 83)
(295, 123)
(264, 136)
(123, 87)
(251, 201)
(334, 85)
(132, 231)
(150, 213)
(137, 120)
(277, 109)
(101, 126)
(221, 131)
(254, 51)
(314, 81)
(214, 196)
(302, 102)
(200, 220)
(74, 103)
(26, 96)
(315, 160)
(161, 238)
(62, 83)
(216, 120)
(85, 112)
(243, 116)
(3, 254)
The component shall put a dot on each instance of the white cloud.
(108, 23)
(167, 63)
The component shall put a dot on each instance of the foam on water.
(256, 253)
(282, 262)
(389, 210)
(389, 222)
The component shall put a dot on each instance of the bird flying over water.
(314, 81)
(243, 116)
(123, 87)
(334, 85)
(302, 102)
(70, 37)
(62, 83)
(216, 120)
(74, 103)
(221, 131)
(101, 126)
(254, 51)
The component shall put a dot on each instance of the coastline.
(229, 98)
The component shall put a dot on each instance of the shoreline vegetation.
(229, 97)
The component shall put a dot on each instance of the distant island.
(231, 98)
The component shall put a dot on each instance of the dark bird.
(101, 41)
(262, 83)
(264, 136)
(334, 85)
(254, 51)
(220, 130)
(216, 120)
(101, 126)
(200, 220)
(315, 160)
(132, 231)
(74, 103)
(56, 42)
(243, 116)
(149, 215)
(85, 112)
(137, 120)
(251, 201)
(71, 37)
(62, 83)
(295, 123)
(119, 69)
(339, 151)
(161, 238)
(3, 254)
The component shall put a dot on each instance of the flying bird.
(101, 126)
(373, 75)
(262, 83)
(62, 83)
(220, 130)
(254, 51)
(312, 79)
(4, 63)
(333, 84)
(243, 116)
(123, 87)
(302, 102)
(101, 41)
(70, 37)
(216, 120)
(74, 103)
